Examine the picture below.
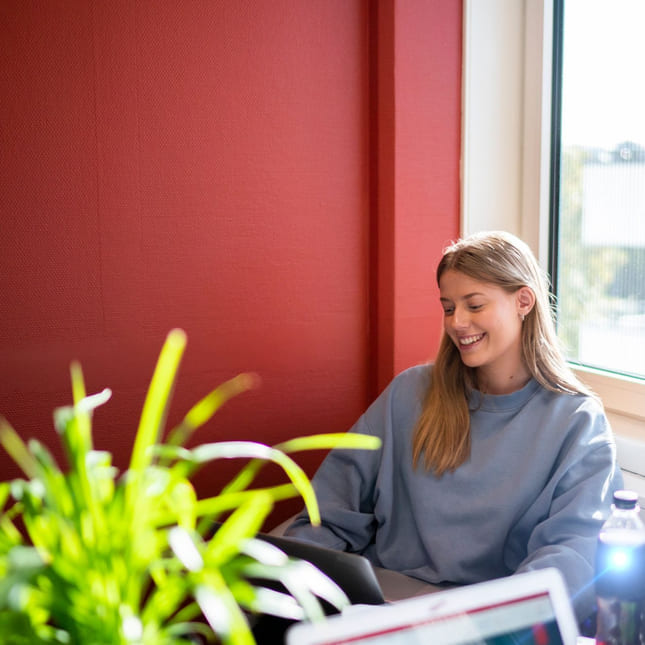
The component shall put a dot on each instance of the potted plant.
(90, 555)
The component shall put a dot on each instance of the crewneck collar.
(497, 402)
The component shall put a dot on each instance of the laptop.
(531, 608)
(353, 573)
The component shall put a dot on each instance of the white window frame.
(506, 117)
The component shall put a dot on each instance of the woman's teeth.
(470, 340)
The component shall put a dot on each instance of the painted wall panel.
(210, 166)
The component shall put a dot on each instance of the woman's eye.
(475, 307)
(447, 311)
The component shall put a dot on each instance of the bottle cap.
(625, 499)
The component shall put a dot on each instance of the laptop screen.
(529, 621)
(527, 609)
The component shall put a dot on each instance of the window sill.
(620, 394)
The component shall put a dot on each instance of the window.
(598, 183)
(506, 162)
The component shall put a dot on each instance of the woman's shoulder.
(409, 387)
(573, 401)
(416, 378)
(585, 412)
(409, 384)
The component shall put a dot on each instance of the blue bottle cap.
(625, 499)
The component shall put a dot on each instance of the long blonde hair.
(442, 433)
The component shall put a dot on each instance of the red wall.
(276, 178)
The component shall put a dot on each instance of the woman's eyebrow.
(466, 297)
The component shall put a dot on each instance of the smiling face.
(484, 322)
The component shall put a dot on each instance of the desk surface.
(397, 586)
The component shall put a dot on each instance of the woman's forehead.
(453, 280)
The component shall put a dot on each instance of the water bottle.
(620, 574)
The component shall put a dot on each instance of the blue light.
(619, 559)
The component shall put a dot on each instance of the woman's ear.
(525, 301)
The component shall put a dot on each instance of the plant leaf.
(315, 442)
(157, 399)
(337, 441)
(303, 581)
(137, 509)
(204, 410)
(300, 577)
(235, 449)
(241, 525)
(222, 612)
(17, 449)
(275, 603)
(213, 506)
(185, 548)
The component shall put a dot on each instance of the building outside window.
(598, 193)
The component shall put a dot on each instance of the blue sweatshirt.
(534, 492)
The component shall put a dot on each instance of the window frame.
(509, 188)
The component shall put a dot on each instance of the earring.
(522, 317)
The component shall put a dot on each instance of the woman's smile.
(469, 342)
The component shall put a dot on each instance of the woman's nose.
(460, 318)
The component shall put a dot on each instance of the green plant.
(93, 556)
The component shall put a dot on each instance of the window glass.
(598, 259)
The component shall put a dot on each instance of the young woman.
(495, 459)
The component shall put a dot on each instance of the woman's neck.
(496, 382)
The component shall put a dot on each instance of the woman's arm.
(343, 484)
(347, 482)
(587, 476)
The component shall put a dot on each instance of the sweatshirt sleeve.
(346, 484)
(585, 477)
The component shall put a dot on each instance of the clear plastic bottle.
(620, 574)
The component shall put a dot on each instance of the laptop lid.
(531, 608)
(353, 573)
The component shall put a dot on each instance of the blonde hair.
(442, 433)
